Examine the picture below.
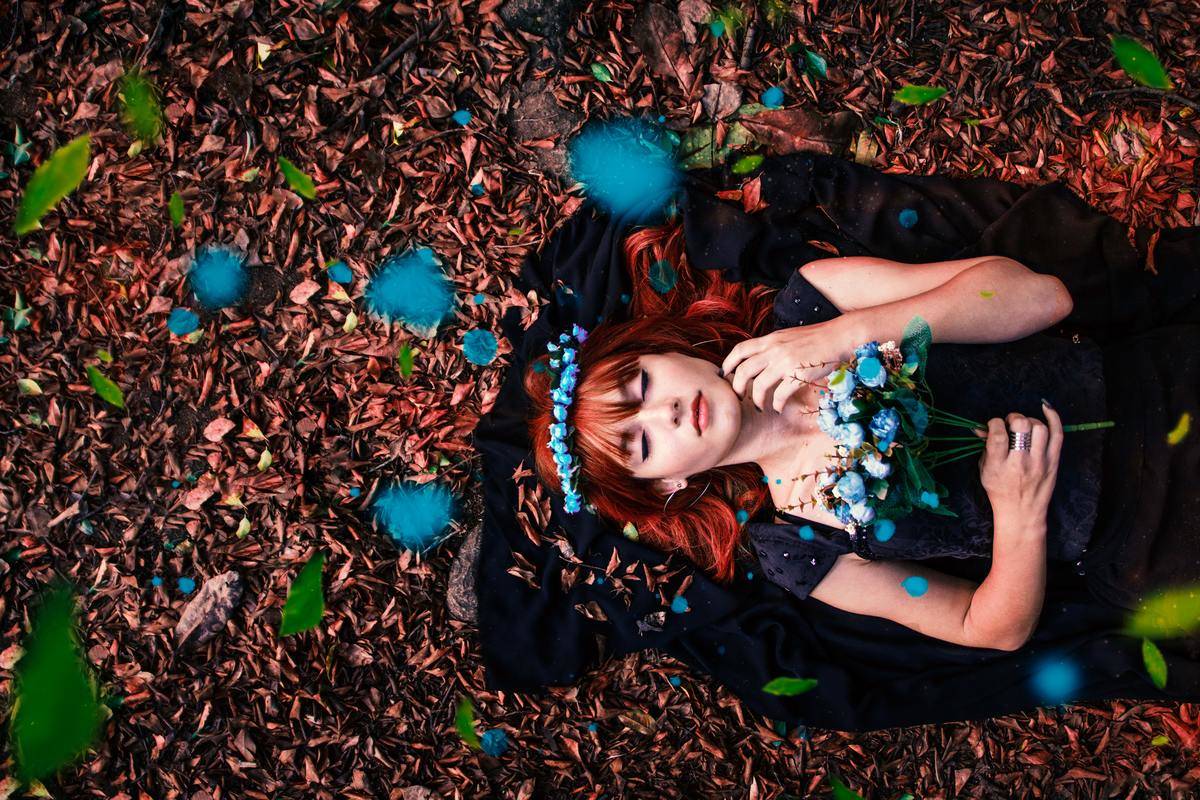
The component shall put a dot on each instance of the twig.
(1151, 91)
(748, 45)
(405, 46)
(912, 21)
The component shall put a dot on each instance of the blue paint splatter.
(674, 680)
(218, 277)
(716, 27)
(355, 491)
(915, 585)
(186, 585)
(749, 576)
(411, 288)
(480, 298)
(156, 581)
(930, 498)
(479, 346)
(883, 529)
(600, 580)
(462, 117)
(339, 272)
(679, 604)
(477, 189)
(742, 515)
(806, 533)
(908, 218)
(414, 515)
(494, 742)
(772, 98)
(182, 321)
(593, 727)
(1056, 681)
(626, 167)
(175, 484)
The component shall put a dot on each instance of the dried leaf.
(207, 612)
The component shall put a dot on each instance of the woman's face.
(687, 420)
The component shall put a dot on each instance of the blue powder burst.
(494, 742)
(477, 189)
(679, 604)
(908, 218)
(411, 288)
(675, 680)
(186, 585)
(626, 167)
(772, 98)
(182, 322)
(339, 272)
(806, 533)
(156, 581)
(462, 117)
(884, 529)
(414, 514)
(1056, 681)
(218, 277)
(480, 298)
(479, 346)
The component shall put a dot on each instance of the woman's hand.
(786, 359)
(1019, 482)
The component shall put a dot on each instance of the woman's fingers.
(764, 382)
(788, 387)
(745, 372)
(1054, 424)
(740, 352)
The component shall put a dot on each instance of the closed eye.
(645, 438)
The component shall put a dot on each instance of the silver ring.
(1020, 440)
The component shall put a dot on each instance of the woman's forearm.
(1006, 606)
(998, 300)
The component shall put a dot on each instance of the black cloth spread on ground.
(871, 673)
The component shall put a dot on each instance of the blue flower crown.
(565, 368)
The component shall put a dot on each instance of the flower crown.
(565, 368)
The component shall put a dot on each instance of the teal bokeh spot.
(627, 167)
(806, 533)
(908, 218)
(679, 605)
(772, 98)
(479, 346)
(915, 585)
(462, 117)
(884, 529)
(414, 515)
(411, 288)
(339, 272)
(1056, 681)
(186, 585)
(182, 321)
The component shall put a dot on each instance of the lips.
(699, 413)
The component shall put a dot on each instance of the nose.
(668, 411)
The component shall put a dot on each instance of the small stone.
(461, 600)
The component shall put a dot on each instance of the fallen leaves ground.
(360, 96)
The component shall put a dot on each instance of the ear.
(668, 485)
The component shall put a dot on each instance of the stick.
(1151, 91)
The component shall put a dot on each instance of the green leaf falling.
(1139, 62)
(57, 714)
(175, 206)
(841, 791)
(56, 178)
(464, 720)
(918, 95)
(746, 164)
(601, 73)
(305, 604)
(140, 111)
(1156, 665)
(405, 360)
(108, 391)
(297, 179)
(789, 687)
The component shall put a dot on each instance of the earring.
(678, 489)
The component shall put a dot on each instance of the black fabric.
(871, 673)
(977, 381)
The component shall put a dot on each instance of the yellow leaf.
(1181, 429)
(351, 322)
(28, 387)
(243, 528)
(265, 460)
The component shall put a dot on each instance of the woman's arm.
(967, 301)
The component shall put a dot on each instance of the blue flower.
(884, 425)
(875, 466)
(862, 512)
(867, 350)
(579, 333)
(843, 513)
(560, 413)
(558, 430)
(558, 446)
(826, 479)
(562, 459)
(850, 487)
(842, 383)
(571, 504)
(568, 355)
(827, 420)
(850, 434)
(871, 372)
(847, 408)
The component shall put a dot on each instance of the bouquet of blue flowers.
(878, 409)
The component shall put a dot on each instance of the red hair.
(703, 316)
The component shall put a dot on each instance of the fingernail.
(1046, 403)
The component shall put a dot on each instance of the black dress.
(550, 609)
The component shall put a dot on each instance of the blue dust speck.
(156, 581)
(742, 515)
(661, 119)
(412, 289)
(720, 649)
(593, 727)
(186, 585)
(679, 604)
(716, 27)
(182, 321)
(175, 484)
(462, 117)
(915, 585)
(600, 580)
(749, 576)
(625, 298)
(806, 533)
(765, 479)
(674, 680)
(414, 515)
(883, 529)
(772, 98)
(477, 189)
(908, 218)
(1056, 682)
(625, 167)
(929, 498)
(494, 742)
(355, 491)
(218, 277)
(479, 346)
(480, 298)
(776, 743)
(339, 272)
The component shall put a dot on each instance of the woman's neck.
(782, 444)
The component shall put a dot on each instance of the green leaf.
(243, 528)
(28, 387)
(405, 357)
(60, 175)
(841, 791)
(297, 179)
(464, 720)
(57, 714)
(265, 460)
(104, 355)
(663, 276)
(1167, 614)
(601, 73)
(631, 532)
(815, 65)
(1156, 665)
(140, 110)
(109, 392)
(17, 316)
(918, 95)
(175, 206)
(746, 164)
(750, 109)
(305, 604)
(789, 687)
(1159, 740)
(1139, 62)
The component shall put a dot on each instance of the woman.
(692, 417)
